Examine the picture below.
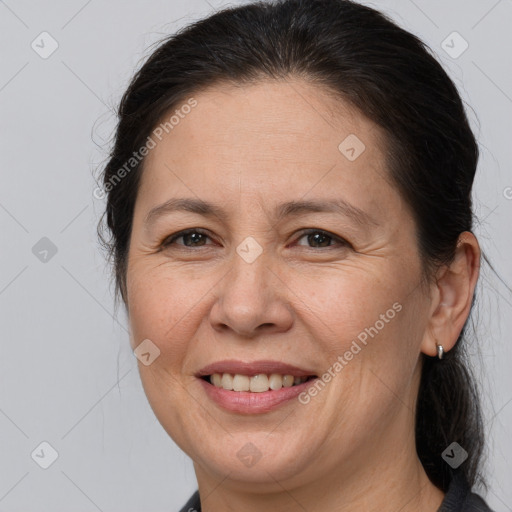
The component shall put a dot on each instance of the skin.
(352, 447)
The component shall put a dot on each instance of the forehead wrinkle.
(281, 211)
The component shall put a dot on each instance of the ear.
(452, 295)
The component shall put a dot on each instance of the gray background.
(67, 375)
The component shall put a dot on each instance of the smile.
(253, 388)
(256, 383)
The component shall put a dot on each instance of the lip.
(246, 402)
(254, 368)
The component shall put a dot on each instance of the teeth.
(256, 384)
(275, 381)
(288, 381)
(259, 383)
(216, 380)
(227, 381)
(241, 383)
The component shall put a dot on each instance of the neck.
(383, 474)
(394, 482)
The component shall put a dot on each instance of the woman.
(289, 201)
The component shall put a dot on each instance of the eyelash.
(171, 239)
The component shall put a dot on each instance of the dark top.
(458, 498)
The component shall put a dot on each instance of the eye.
(320, 238)
(192, 237)
(195, 237)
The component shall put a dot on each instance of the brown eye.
(317, 238)
(191, 238)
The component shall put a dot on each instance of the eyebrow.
(288, 209)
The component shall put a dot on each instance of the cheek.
(345, 301)
(164, 308)
(338, 301)
(368, 326)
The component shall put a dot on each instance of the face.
(304, 255)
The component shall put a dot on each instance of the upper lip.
(253, 368)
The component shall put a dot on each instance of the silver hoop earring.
(440, 351)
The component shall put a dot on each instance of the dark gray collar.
(458, 498)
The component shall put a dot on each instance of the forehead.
(285, 137)
(287, 112)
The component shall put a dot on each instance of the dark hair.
(389, 75)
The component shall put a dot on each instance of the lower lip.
(246, 402)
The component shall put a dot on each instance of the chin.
(256, 458)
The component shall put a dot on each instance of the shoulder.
(474, 503)
(193, 504)
(460, 498)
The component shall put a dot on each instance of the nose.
(251, 300)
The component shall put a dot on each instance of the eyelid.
(172, 238)
(301, 233)
(307, 231)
